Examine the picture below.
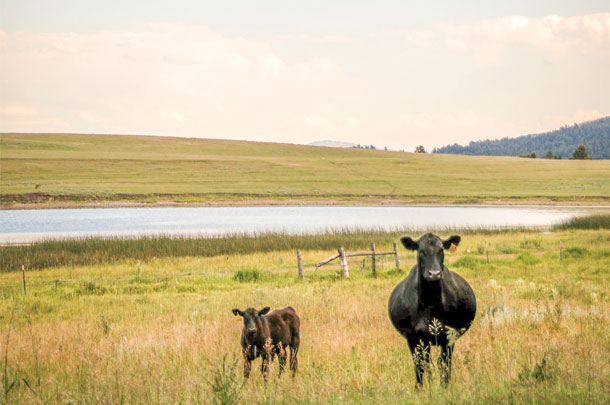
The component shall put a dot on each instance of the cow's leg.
(421, 358)
(444, 363)
(294, 362)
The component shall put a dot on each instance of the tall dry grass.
(158, 333)
(95, 250)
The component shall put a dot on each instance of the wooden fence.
(342, 255)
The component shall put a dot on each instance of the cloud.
(580, 115)
(491, 41)
(451, 83)
(170, 79)
(271, 64)
(333, 39)
(18, 111)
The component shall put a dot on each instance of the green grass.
(587, 222)
(95, 168)
(160, 330)
(95, 250)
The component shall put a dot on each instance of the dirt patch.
(49, 200)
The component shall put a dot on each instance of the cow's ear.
(409, 243)
(237, 312)
(452, 240)
(263, 311)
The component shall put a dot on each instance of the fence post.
(343, 262)
(23, 274)
(373, 259)
(300, 264)
(487, 252)
(396, 259)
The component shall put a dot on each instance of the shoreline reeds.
(102, 250)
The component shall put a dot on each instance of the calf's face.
(430, 254)
(252, 320)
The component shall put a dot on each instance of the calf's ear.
(409, 243)
(263, 311)
(452, 240)
(237, 312)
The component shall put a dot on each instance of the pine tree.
(580, 153)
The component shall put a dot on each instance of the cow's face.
(430, 254)
(252, 320)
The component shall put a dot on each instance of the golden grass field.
(146, 321)
(157, 331)
(63, 169)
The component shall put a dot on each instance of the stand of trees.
(420, 149)
(560, 143)
(372, 147)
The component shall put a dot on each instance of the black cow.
(433, 305)
(267, 335)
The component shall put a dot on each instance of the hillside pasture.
(89, 169)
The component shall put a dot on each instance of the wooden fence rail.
(330, 259)
(343, 255)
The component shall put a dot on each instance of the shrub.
(104, 324)
(575, 252)
(530, 244)
(545, 369)
(90, 288)
(246, 276)
(528, 259)
(470, 262)
(225, 382)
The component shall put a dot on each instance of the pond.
(24, 226)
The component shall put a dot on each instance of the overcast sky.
(388, 73)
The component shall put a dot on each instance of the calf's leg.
(265, 366)
(247, 367)
(294, 361)
(281, 357)
(247, 361)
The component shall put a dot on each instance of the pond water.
(24, 226)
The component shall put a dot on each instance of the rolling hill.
(81, 169)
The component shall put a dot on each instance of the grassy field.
(160, 329)
(81, 169)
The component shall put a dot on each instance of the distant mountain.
(332, 144)
(595, 135)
